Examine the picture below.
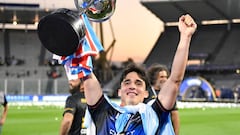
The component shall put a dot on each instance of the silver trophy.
(96, 10)
(63, 30)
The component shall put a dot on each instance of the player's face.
(74, 84)
(133, 89)
(161, 79)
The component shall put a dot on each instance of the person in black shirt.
(74, 111)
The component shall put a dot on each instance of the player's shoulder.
(150, 102)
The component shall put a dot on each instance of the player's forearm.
(180, 59)
(65, 127)
(92, 89)
(175, 121)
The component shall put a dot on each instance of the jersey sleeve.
(174, 107)
(165, 124)
(70, 106)
(103, 116)
(101, 106)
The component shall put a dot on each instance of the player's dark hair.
(139, 70)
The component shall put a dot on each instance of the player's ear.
(146, 94)
(119, 92)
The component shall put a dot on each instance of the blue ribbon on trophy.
(70, 37)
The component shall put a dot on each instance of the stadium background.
(28, 71)
(30, 77)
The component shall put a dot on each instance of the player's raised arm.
(92, 89)
(168, 94)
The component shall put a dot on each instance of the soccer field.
(33, 120)
(210, 121)
(45, 120)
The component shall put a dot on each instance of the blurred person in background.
(74, 111)
(4, 110)
(236, 93)
(158, 75)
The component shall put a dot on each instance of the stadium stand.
(228, 55)
(164, 49)
(214, 45)
(207, 39)
(22, 41)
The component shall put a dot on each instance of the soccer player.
(74, 111)
(135, 117)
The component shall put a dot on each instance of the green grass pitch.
(33, 120)
(45, 120)
(210, 121)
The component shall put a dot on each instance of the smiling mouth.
(132, 93)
